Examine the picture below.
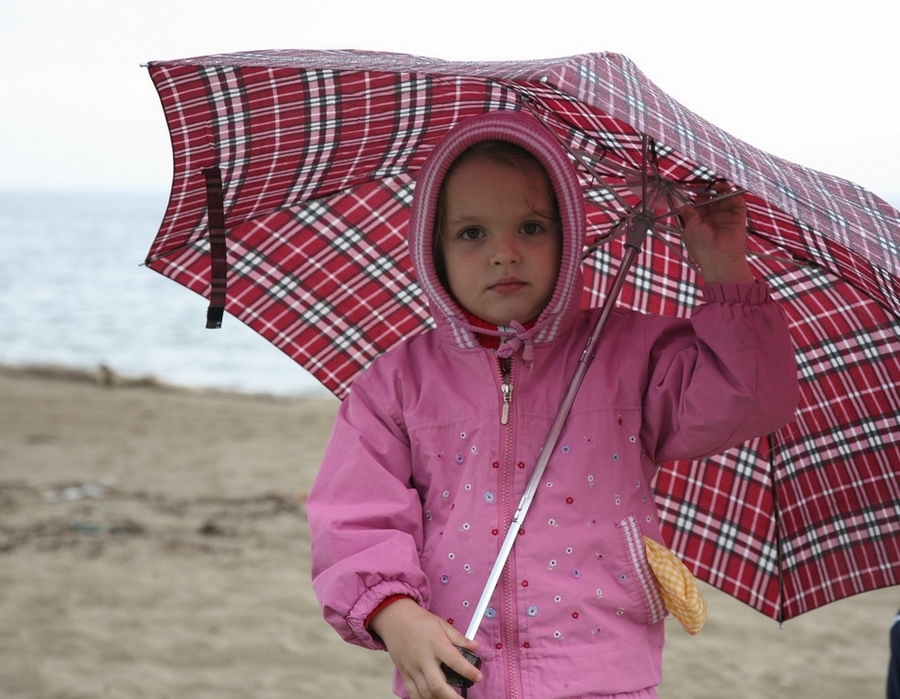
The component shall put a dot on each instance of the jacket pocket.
(636, 552)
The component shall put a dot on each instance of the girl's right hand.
(418, 642)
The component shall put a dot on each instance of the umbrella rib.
(674, 193)
(616, 232)
(676, 250)
(582, 157)
(789, 261)
(675, 198)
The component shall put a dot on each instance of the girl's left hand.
(715, 234)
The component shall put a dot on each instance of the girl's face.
(500, 240)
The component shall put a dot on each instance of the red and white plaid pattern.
(319, 151)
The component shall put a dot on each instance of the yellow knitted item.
(677, 586)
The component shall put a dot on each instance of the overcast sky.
(811, 82)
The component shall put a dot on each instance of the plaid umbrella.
(293, 175)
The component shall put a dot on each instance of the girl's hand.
(714, 235)
(418, 642)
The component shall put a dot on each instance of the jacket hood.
(527, 132)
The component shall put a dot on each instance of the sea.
(74, 293)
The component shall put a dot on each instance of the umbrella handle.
(454, 679)
(639, 227)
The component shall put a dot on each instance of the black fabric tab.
(218, 256)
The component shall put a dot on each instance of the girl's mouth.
(508, 286)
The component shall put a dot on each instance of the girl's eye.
(470, 234)
(531, 228)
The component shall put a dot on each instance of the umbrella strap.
(218, 262)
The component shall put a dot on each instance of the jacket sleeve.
(365, 517)
(726, 377)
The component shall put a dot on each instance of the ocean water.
(74, 292)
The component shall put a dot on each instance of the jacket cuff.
(372, 600)
(753, 294)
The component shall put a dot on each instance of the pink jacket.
(427, 462)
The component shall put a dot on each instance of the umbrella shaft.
(562, 415)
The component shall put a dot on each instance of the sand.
(153, 544)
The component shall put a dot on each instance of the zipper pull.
(506, 388)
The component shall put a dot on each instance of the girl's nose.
(505, 251)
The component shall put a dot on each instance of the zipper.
(507, 585)
(506, 388)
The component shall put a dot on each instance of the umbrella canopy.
(293, 176)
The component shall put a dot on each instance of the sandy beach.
(153, 544)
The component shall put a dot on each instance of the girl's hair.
(501, 153)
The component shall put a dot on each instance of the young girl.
(432, 449)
